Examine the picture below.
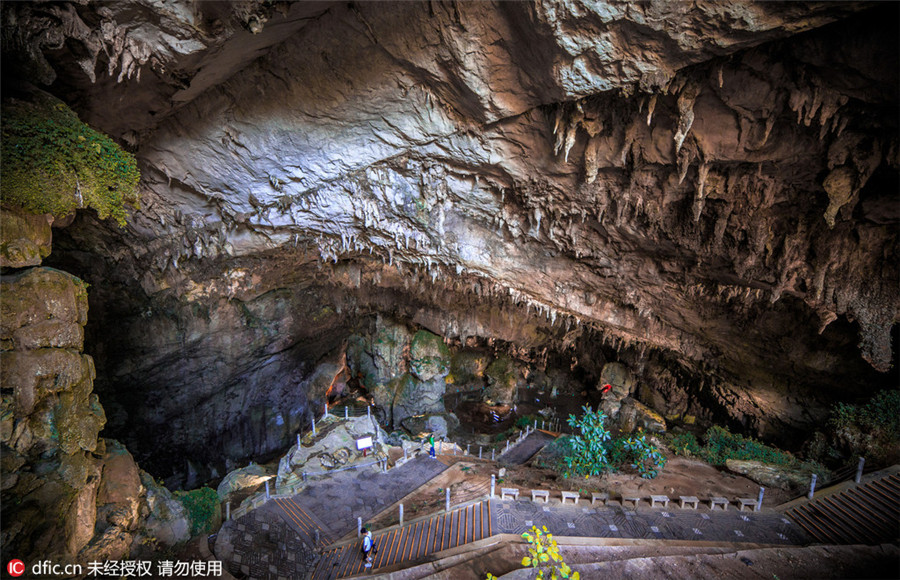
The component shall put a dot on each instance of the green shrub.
(881, 413)
(595, 451)
(588, 454)
(722, 445)
(53, 163)
(646, 458)
(684, 444)
(526, 421)
(618, 453)
(871, 430)
(201, 505)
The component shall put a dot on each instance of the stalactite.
(684, 162)
(686, 100)
(650, 108)
(702, 174)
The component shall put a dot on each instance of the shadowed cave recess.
(461, 208)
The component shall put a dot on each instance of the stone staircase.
(527, 448)
(400, 546)
(859, 514)
(306, 525)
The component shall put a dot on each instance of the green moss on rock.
(502, 379)
(202, 506)
(53, 163)
(428, 356)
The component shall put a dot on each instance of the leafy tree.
(594, 451)
(589, 450)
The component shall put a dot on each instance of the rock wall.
(66, 493)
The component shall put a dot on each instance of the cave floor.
(272, 542)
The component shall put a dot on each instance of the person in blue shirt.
(367, 546)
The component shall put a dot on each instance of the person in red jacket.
(606, 388)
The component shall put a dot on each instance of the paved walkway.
(337, 501)
(614, 521)
(261, 545)
(277, 540)
(526, 449)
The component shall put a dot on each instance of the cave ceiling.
(714, 182)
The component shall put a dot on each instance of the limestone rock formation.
(503, 378)
(167, 522)
(429, 357)
(63, 487)
(413, 396)
(703, 192)
(467, 370)
(769, 475)
(25, 239)
(335, 438)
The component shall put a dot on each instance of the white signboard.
(364, 443)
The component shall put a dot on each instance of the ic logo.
(15, 567)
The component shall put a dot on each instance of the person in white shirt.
(367, 546)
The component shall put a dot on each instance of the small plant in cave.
(684, 444)
(722, 445)
(871, 429)
(201, 507)
(594, 451)
(880, 413)
(526, 421)
(53, 163)
(543, 556)
(646, 458)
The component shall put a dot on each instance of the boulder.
(648, 419)
(429, 357)
(318, 454)
(167, 521)
(251, 476)
(634, 415)
(25, 239)
(769, 475)
(42, 308)
(119, 496)
(439, 425)
(502, 378)
(621, 379)
(414, 397)
(613, 404)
